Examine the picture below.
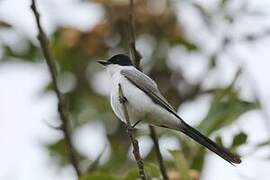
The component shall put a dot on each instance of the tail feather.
(203, 140)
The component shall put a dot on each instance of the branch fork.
(129, 128)
(136, 58)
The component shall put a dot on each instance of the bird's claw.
(129, 128)
(122, 100)
(134, 125)
(132, 128)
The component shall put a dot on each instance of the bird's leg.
(132, 128)
(122, 99)
(134, 125)
(129, 128)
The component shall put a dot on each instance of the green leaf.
(151, 170)
(181, 164)
(119, 149)
(223, 3)
(219, 140)
(132, 174)
(198, 159)
(189, 45)
(29, 53)
(225, 108)
(238, 140)
(98, 176)
(58, 150)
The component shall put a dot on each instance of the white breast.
(139, 105)
(137, 101)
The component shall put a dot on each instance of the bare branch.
(158, 153)
(136, 57)
(136, 150)
(44, 43)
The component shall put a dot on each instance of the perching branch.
(44, 43)
(136, 57)
(162, 167)
(136, 150)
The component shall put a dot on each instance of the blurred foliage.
(98, 176)
(76, 52)
(181, 164)
(152, 171)
(225, 108)
(59, 151)
(30, 53)
(238, 140)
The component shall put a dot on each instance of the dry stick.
(44, 43)
(136, 57)
(136, 150)
(158, 153)
(136, 60)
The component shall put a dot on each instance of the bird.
(145, 103)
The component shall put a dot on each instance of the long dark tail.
(203, 140)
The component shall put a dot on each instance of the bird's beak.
(103, 62)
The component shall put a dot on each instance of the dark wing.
(147, 85)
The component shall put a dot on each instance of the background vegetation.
(160, 34)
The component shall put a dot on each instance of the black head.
(120, 59)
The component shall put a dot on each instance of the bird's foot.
(122, 100)
(134, 125)
(130, 128)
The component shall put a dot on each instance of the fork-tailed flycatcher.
(145, 103)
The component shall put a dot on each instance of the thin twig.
(136, 150)
(136, 57)
(158, 153)
(44, 43)
(93, 166)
